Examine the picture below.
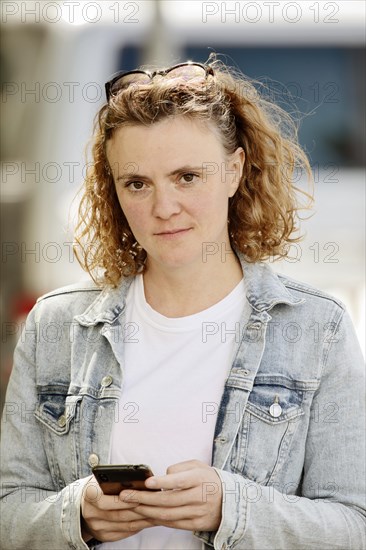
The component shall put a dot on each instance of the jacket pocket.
(58, 414)
(269, 423)
(56, 409)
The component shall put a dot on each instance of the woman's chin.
(175, 259)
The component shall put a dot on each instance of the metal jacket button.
(107, 381)
(93, 460)
(62, 421)
(275, 409)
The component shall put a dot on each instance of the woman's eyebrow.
(135, 175)
(186, 168)
(128, 175)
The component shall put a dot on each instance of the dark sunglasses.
(183, 71)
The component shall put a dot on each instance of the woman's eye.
(135, 185)
(189, 178)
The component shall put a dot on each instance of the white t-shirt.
(174, 375)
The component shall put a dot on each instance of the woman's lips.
(173, 233)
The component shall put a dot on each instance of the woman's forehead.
(170, 134)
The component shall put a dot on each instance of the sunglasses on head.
(184, 71)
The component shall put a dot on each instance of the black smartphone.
(113, 478)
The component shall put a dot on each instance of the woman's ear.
(236, 166)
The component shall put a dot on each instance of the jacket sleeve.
(328, 509)
(33, 514)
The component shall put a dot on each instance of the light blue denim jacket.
(293, 479)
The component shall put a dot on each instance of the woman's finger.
(107, 532)
(186, 479)
(93, 495)
(118, 516)
(186, 465)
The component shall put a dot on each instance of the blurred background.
(55, 58)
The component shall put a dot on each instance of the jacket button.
(62, 421)
(107, 381)
(275, 409)
(93, 460)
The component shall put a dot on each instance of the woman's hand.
(108, 518)
(191, 498)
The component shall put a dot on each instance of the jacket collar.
(264, 289)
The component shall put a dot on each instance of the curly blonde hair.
(263, 213)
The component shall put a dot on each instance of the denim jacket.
(292, 474)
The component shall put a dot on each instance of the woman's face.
(173, 181)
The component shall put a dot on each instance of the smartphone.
(113, 478)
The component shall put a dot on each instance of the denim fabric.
(291, 480)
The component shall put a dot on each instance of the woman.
(189, 353)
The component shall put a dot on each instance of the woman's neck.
(182, 292)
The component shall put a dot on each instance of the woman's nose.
(165, 202)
